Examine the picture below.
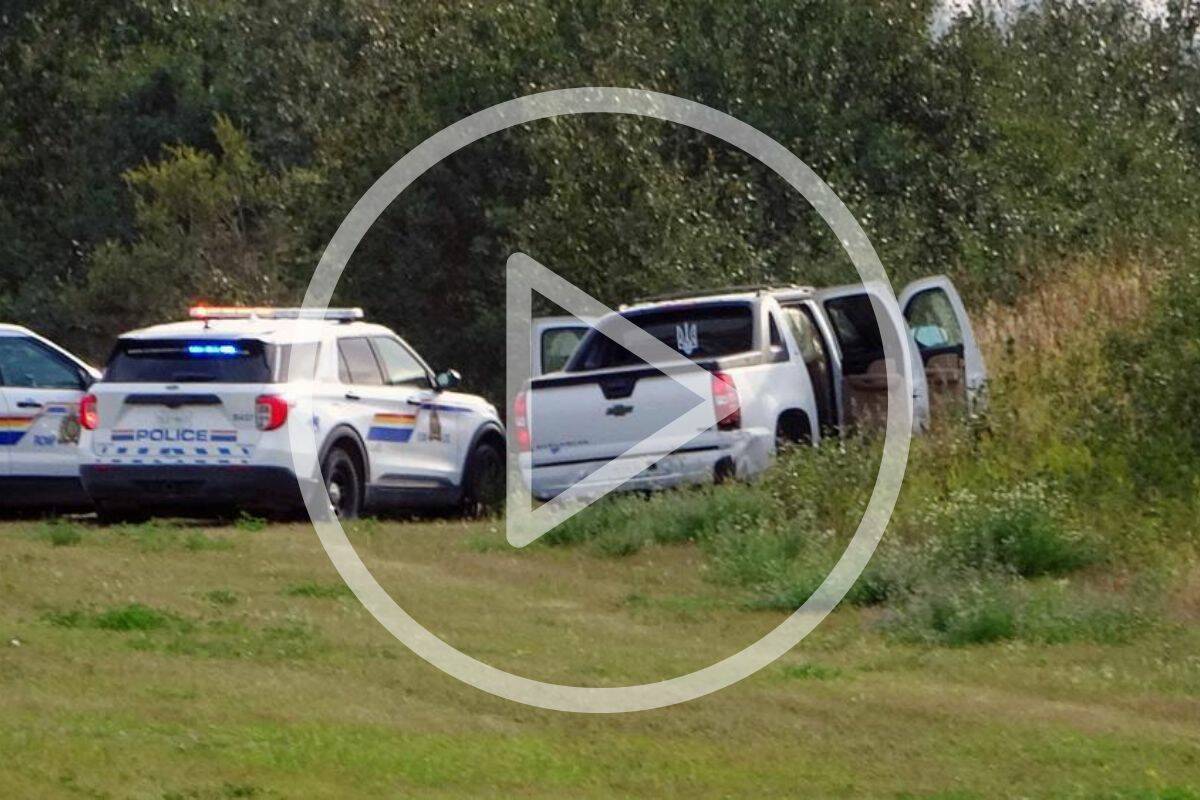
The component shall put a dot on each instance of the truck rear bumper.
(740, 454)
(193, 487)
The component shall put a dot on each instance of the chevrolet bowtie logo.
(619, 410)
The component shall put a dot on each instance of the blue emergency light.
(223, 350)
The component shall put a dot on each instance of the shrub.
(978, 607)
(221, 597)
(249, 523)
(809, 672)
(324, 591)
(150, 536)
(1018, 529)
(131, 617)
(1058, 613)
(965, 609)
(622, 524)
(60, 533)
(1158, 367)
(196, 541)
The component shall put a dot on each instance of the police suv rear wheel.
(343, 482)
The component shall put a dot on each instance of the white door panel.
(408, 436)
(42, 388)
(409, 440)
(883, 310)
(929, 336)
(49, 443)
(8, 433)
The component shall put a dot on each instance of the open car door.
(860, 366)
(954, 369)
(554, 341)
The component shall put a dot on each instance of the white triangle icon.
(524, 523)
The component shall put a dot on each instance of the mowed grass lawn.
(174, 661)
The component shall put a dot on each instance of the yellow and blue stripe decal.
(392, 428)
(13, 428)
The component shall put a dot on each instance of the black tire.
(343, 482)
(483, 482)
(792, 430)
(724, 471)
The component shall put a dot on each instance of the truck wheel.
(792, 429)
(483, 483)
(343, 482)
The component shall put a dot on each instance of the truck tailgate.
(598, 416)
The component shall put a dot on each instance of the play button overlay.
(778, 641)
(525, 522)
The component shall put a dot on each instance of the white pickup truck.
(782, 364)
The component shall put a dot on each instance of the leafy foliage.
(156, 154)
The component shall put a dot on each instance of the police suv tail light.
(270, 412)
(521, 422)
(726, 404)
(89, 417)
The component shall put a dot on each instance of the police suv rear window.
(698, 332)
(183, 361)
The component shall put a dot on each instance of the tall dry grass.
(1079, 304)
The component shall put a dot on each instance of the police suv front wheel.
(483, 485)
(343, 482)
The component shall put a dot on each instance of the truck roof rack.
(758, 288)
(207, 313)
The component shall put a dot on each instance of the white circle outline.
(785, 636)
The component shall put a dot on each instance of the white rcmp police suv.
(196, 415)
(40, 388)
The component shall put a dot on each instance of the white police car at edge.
(195, 415)
(41, 385)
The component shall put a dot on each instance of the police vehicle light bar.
(214, 350)
(264, 312)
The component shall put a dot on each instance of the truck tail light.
(521, 422)
(270, 412)
(89, 417)
(726, 404)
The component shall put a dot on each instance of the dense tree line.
(157, 153)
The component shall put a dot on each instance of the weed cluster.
(59, 532)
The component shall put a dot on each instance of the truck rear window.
(181, 361)
(698, 332)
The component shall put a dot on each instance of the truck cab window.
(857, 331)
(933, 321)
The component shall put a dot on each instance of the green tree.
(209, 228)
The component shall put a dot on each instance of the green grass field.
(165, 661)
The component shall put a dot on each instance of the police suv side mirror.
(447, 379)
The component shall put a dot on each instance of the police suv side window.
(25, 364)
(357, 364)
(400, 366)
(296, 362)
